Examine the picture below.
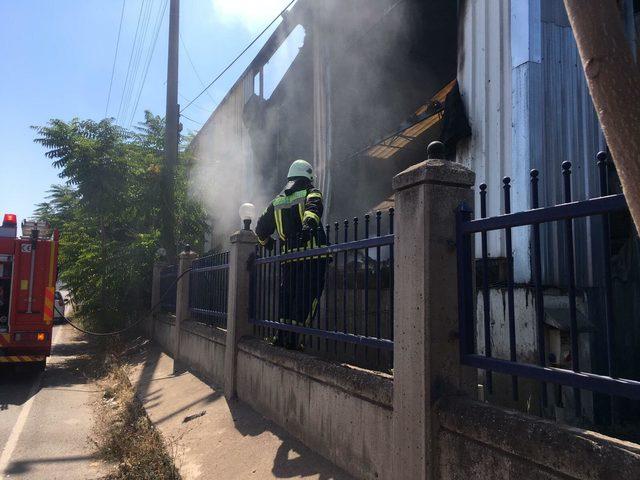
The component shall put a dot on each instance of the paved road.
(46, 419)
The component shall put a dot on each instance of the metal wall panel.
(484, 75)
(560, 124)
(570, 131)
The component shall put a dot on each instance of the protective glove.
(270, 245)
(305, 235)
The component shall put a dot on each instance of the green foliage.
(108, 212)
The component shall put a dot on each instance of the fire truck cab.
(28, 271)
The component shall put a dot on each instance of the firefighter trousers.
(301, 287)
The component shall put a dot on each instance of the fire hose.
(122, 330)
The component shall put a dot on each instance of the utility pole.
(167, 237)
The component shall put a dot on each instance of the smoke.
(252, 14)
(221, 177)
(363, 69)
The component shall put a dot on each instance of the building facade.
(360, 87)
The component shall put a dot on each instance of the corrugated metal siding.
(570, 131)
(562, 117)
(484, 75)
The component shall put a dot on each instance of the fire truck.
(28, 271)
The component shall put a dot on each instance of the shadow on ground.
(292, 459)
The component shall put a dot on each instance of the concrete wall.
(163, 332)
(480, 441)
(344, 414)
(202, 348)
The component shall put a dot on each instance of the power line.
(138, 322)
(126, 78)
(137, 59)
(195, 70)
(113, 69)
(199, 107)
(191, 119)
(159, 20)
(239, 55)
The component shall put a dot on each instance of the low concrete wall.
(479, 441)
(202, 348)
(163, 332)
(342, 413)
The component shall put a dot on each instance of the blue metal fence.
(606, 382)
(335, 299)
(168, 276)
(208, 289)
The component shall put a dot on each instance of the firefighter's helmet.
(300, 168)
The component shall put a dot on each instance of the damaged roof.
(425, 117)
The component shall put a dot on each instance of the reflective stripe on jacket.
(290, 211)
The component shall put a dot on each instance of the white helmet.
(300, 168)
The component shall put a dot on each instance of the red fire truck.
(28, 270)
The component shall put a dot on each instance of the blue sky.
(57, 58)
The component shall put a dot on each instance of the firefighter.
(296, 215)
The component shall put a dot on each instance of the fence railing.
(208, 289)
(336, 299)
(168, 276)
(572, 375)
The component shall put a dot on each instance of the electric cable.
(122, 330)
(199, 107)
(135, 38)
(159, 20)
(224, 70)
(193, 66)
(115, 57)
(137, 59)
(191, 119)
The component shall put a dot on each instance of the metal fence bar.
(355, 278)
(326, 298)
(391, 277)
(581, 380)
(510, 300)
(465, 283)
(319, 288)
(486, 300)
(571, 283)
(335, 285)
(378, 284)
(537, 282)
(339, 336)
(583, 208)
(344, 281)
(606, 263)
(380, 241)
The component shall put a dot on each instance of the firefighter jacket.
(299, 205)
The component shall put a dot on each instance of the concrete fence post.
(185, 259)
(155, 296)
(243, 247)
(426, 350)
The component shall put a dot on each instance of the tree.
(108, 212)
(614, 83)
